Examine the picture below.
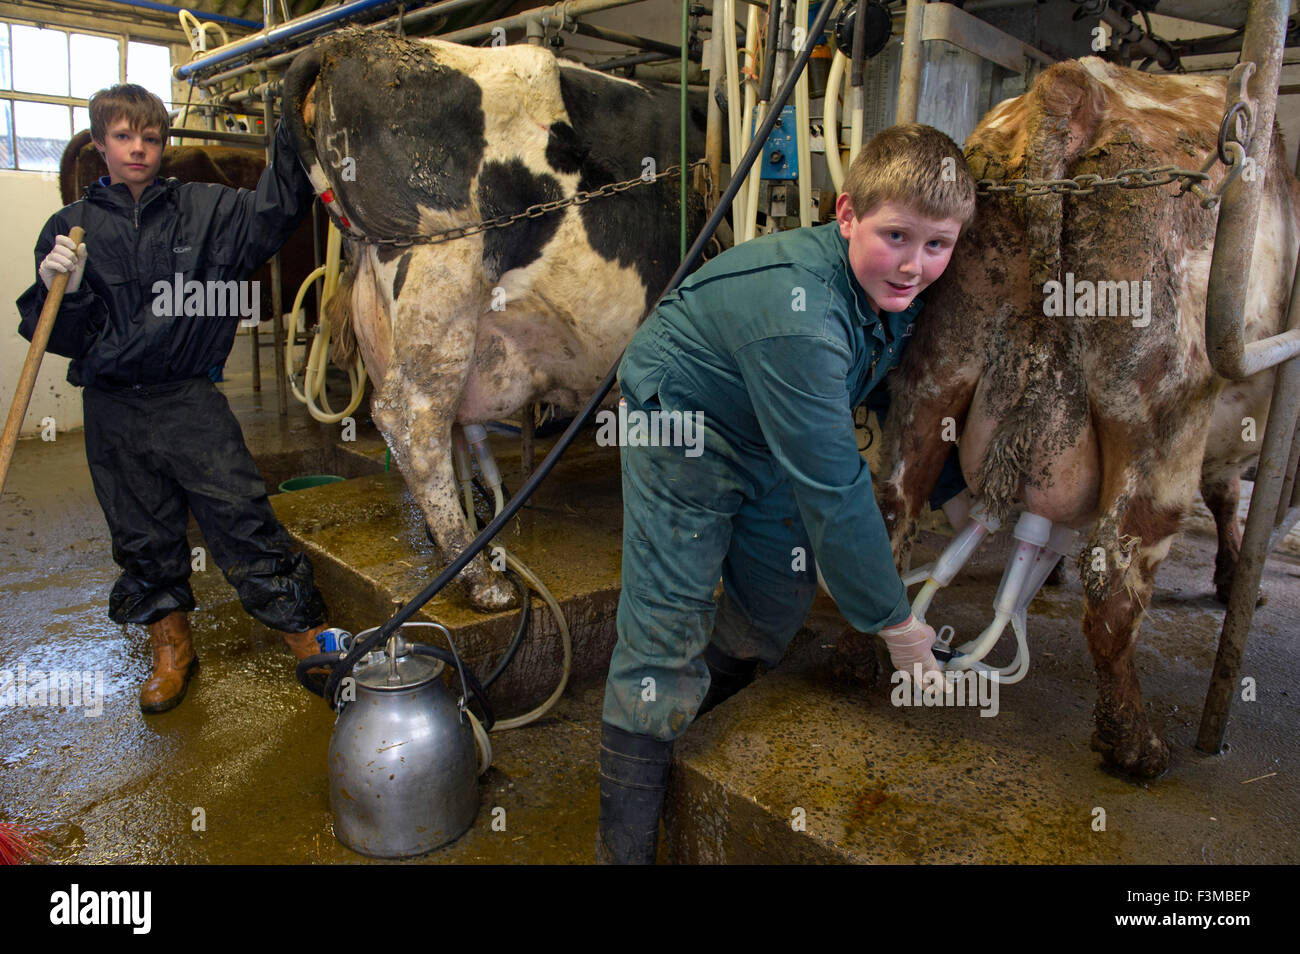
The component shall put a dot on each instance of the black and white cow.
(405, 138)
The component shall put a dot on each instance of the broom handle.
(27, 380)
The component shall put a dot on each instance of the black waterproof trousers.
(157, 453)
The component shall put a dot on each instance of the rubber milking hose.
(571, 432)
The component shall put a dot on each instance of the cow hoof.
(492, 595)
(1134, 756)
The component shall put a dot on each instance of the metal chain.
(1230, 152)
(1089, 182)
(532, 212)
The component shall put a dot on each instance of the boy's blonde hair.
(141, 108)
(907, 164)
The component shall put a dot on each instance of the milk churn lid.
(407, 671)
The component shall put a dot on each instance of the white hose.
(482, 743)
(566, 642)
(748, 123)
(314, 374)
(831, 120)
(923, 599)
(734, 105)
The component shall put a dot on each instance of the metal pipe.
(168, 8)
(1269, 477)
(1136, 42)
(630, 39)
(1266, 24)
(275, 35)
(1234, 240)
(1289, 490)
(554, 13)
(909, 77)
(856, 99)
(784, 35)
(713, 126)
(277, 292)
(219, 135)
(980, 5)
(412, 21)
(772, 39)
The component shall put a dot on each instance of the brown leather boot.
(304, 644)
(174, 662)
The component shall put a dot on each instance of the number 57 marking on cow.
(341, 158)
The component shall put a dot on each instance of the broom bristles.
(18, 844)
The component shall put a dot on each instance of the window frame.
(124, 39)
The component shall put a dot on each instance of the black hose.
(525, 613)
(769, 53)
(544, 469)
(472, 685)
(316, 682)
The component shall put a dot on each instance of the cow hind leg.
(419, 432)
(1223, 497)
(1119, 565)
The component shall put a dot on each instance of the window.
(47, 75)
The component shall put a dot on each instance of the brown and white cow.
(409, 137)
(1101, 421)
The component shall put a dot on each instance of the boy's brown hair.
(909, 164)
(141, 108)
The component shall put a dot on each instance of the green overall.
(774, 344)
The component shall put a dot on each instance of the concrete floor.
(874, 782)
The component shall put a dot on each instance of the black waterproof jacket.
(111, 326)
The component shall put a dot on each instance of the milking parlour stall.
(748, 432)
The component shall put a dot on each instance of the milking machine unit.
(1040, 546)
(403, 773)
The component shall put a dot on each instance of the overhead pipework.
(297, 30)
(175, 11)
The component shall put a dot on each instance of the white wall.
(29, 199)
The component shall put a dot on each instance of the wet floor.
(236, 774)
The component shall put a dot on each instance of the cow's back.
(1047, 379)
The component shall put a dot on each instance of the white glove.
(64, 257)
(909, 645)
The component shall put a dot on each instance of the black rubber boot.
(633, 779)
(727, 676)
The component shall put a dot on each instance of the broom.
(18, 844)
(27, 379)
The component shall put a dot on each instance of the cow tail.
(68, 167)
(338, 312)
(1064, 108)
(295, 89)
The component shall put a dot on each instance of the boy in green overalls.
(768, 348)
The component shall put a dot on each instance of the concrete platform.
(367, 541)
(815, 764)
